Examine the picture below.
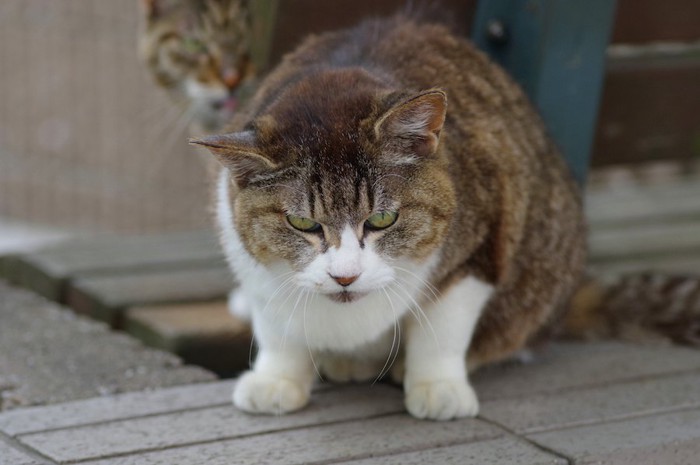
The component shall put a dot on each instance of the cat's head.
(343, 180)
(199, 50)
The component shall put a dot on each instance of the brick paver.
(10, 455)
(668, 439)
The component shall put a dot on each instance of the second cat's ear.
(239, 153)
(150, 8)
(412, 127)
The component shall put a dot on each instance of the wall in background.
(88, 142)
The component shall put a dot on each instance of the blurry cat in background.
(199, 50)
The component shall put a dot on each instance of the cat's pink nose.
(231, 78)
(345, 280)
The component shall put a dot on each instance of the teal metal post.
(555, 49)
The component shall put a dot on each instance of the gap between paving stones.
(539, 412)
(605, 383)
(542, 447)
(583, 387)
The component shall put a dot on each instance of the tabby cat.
(390, 195)
(199, 50)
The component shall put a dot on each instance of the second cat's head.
(200, 52)
(342, 179)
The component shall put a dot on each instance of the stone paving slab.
(48, 270)
(11, 456)
(217, 423)
(116, 407)
(501, 451)
(107, 297)
(596, 405)
(49, 355)
(670, 439)
(643, 204)
(564, 366)
(322, 444)
(650, 240)
(687, 263)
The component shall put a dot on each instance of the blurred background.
(85, 144)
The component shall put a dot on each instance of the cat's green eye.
(381, 220)
(303, 224)
(193, 45)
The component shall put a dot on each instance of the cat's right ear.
(411, 128)
(239, 153)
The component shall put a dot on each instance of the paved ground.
(604, 403)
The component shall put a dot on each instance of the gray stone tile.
(50, 355)
(47, 271)
(668, 439)
(12, 456)
(501, 451)
(321, 444)
(594, 405)
(117, 407)
(210, 424)
(568, 365)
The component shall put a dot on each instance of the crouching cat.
(390, 195)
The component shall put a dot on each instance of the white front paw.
(262, 393)
(442, 400)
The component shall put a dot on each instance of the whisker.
(306, 335)
(420, 312)
(291, 314)
(424, 295)
(434, 290)
(397, 335)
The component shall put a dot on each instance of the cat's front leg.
(282, 375)
(435, 382)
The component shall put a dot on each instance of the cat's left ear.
(412, 127)
(239, 153)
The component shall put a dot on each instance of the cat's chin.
(346, 297)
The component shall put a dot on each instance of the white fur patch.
(436, 381)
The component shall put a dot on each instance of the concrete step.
(107, 297)
(49, 271)
(204, 334)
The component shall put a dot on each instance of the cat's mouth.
(346, 296)
(228, 104)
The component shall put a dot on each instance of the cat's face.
(199, 51)
(341, 183)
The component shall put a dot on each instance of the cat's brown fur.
(495, 198)
(639, 307)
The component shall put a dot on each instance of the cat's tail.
(638, 307)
